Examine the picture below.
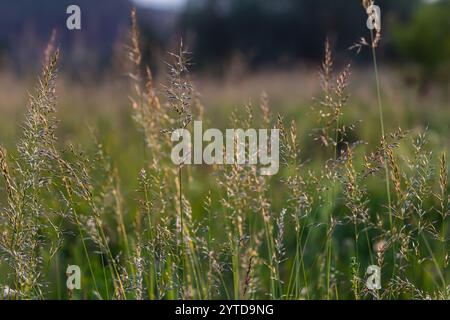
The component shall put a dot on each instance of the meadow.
(87, 180)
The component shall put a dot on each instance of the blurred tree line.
(26, 27)
(256, 32)
(425, 42)
(268, 31)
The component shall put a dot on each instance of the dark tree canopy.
(267, 31)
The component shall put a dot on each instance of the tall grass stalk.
(383, 133)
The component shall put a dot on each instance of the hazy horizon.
(162, 4)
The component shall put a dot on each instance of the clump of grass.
(27, 219)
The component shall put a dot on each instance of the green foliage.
(426, 39)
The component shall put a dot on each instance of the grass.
(140, 227)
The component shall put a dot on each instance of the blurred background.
(225, 34)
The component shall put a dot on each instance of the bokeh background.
(239, 49)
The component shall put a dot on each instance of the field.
(87, 180)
